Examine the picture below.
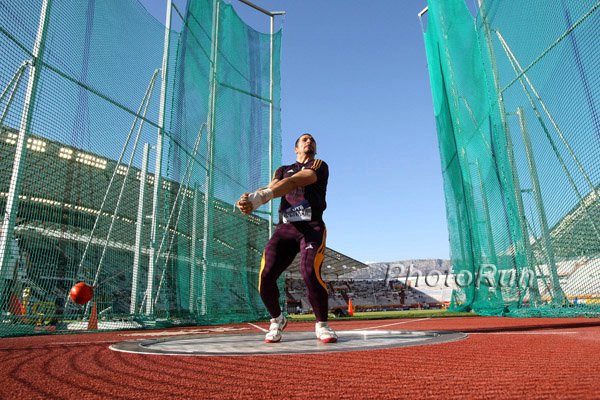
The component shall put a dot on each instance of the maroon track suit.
(300, 229)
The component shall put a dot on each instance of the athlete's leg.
(312, 248)
(279, 254)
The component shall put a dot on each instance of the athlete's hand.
(244, 205)
(249, 202)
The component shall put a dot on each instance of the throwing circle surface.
(292, 343)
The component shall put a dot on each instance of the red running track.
(502, 358)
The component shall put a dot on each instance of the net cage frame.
(28, 149)
(517, 148)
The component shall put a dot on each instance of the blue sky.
(354, 74)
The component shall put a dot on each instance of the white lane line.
(258, 327)
(396, 323)
(523, 333)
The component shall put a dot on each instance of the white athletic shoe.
(277, 326)
(324, 333)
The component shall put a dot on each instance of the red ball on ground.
(81, 293)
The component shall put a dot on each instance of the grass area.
(387, 315)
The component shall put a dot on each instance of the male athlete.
(302, 187)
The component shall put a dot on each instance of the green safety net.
(82, 201)
(516, 94)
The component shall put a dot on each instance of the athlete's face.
(306, 145)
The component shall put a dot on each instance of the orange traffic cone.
(350, 308)
(93, 322)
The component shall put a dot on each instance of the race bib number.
(297, 213)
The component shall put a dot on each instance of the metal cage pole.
(210, 137)
(137, 255)
(271, 111)
(557, 291)
(529, 254)
(158, 161)
(12, 202)
(193, 250)
(183, 186)
(272, 23)
(420, 15)
(147, 99)
(272, 15)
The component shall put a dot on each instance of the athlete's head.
(306, 144)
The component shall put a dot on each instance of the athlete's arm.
(245, 205)
(299, 179)
(270, 185)
(277, 188)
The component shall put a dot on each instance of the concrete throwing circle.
(292, 343)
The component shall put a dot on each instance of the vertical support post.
(12, 202)
(158, 163)
(518, 193)
(494, 291)
(203, 306)
(137, 252)
(193, 250)
(557, 294)
(272, 20)
(208, 192)
(271, 15)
